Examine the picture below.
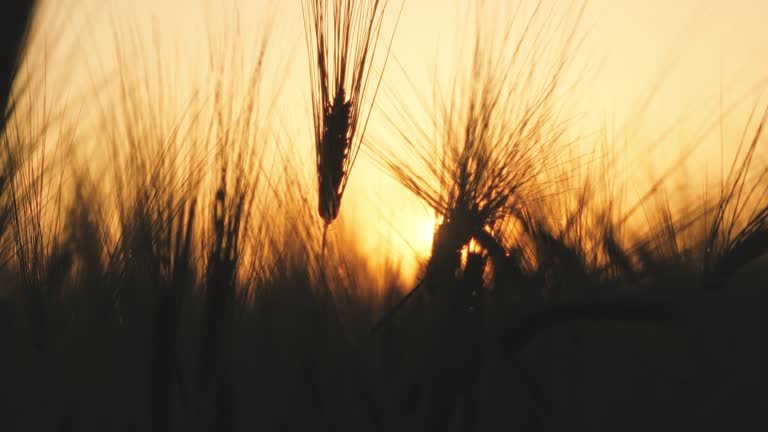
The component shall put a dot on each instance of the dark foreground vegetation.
(196, 297)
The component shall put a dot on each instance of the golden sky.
(696, 54)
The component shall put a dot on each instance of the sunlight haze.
(694, 56)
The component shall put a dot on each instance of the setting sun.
(426, 229)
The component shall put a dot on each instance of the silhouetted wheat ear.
(342, 36)
(334, 151)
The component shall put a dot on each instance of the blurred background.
(649, 82)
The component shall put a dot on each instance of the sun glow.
(426, 233)
(413, 240)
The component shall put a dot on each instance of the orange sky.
(693, 47)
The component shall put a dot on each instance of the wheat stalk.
(491, 135)
(342, 37)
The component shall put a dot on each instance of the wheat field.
(269, 219)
